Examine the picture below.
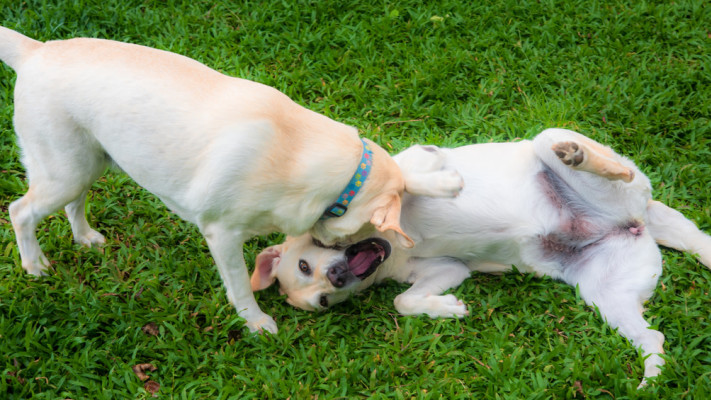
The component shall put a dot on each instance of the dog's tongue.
(361, 261)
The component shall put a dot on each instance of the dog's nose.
(338, 275)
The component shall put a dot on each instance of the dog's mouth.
(365, 257)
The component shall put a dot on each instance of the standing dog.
(235, 157)
(561, 205)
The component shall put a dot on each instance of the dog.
(560, 205)
(235, 157)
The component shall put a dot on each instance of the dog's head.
(314, 277)
(378, 202)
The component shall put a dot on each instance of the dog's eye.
(304, 267)
(323, 301)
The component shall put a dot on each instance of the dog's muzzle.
(361, 260)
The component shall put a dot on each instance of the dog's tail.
(14, 47)
(670, 228)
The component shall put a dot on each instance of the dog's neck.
(338, 208)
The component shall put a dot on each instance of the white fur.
(601, 238)
(235, 157)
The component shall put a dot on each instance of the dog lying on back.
(560, 205)
(235, 157)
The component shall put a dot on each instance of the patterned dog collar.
(340, 207)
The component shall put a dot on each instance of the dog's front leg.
(226, 246)
(423, 170)
(431, 277)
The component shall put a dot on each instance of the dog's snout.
(338, 275)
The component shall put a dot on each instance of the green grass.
(637, 77)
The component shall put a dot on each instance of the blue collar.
(340, 207)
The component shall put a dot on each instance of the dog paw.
(579, 157)
(448, 306)
(38, 267)
(449, 183)
(569, 153)
(262, 324)
(90, 239)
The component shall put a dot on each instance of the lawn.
(636, 77)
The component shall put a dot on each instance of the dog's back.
(235, 157)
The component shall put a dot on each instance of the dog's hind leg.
(618, 278)
(624, 312)
(590, 156)
(25, 216)
(61, 163)
(670, 228)
(41, 199)
(581, 153)
(606, 181)
(82, 232)
(584, 157)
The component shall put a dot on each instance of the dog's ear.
(265, 268)
(387, 218)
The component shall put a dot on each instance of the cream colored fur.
(235, 157)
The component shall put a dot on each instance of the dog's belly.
(499, 210)
(520, 214)
(548, 242)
